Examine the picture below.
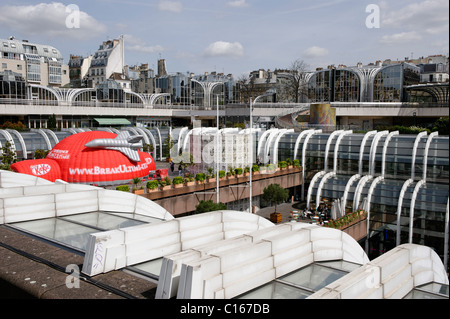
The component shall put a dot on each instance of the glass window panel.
(276, 290)
(313, 277)
(103, 220)
(67, 233)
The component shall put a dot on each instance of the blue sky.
(236, 36)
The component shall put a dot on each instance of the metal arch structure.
(361, 150)
(439, 91)
(359, 189)
(405, 186)
(305, 145)
(262, 141)
(385, 147)
(321, 184)
(327, 148)
(276, 143)
(44, 135)
(412, 207)
(155, 97)
(21, 141)
(367, 76)
(414, 154)
(52, 134)
(373, 151)
(208, 88)
(51, 90)
(297, 142)
(425, 155)
(336, 148)
(347, 190)
(367, 208)
(311, 186)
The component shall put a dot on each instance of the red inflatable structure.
(94, 157)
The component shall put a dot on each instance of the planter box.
(190, 183)
(152, 190)
(139, 191)
(165, 188)
(177, 185)
(239, 176)
(211, 180)
(275, 218)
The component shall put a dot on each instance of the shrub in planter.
(152, 185)
(221, 174)
(238, 172)
(123, 188)
(255, 169)
(200, 177)
(296, 163)
(165, 183)
(282, 165)
(177, 181)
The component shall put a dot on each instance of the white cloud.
(227, 49)
(50, 19)
(136, 44)
(314, 52)
(403, 37)
(171, 6)
(238, 3)
(430, 16)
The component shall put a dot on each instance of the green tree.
(7, 156)
(209, 206)
(274, 193)
(51, 121)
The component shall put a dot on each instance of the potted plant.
(230, 173)
(282, 165)
(255, 169)
(238, 172)
(189, 180)
(177, 182)
(200, 178)
(165, 183)
(211, 177)
(289, 163)
(136, 188)
(296, 163)
(152, 186)
(123, 188)
(246, 171)
(221, 175)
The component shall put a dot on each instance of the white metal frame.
(412, 206)
(405, 186)
(361, 150)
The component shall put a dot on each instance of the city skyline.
(236, 36)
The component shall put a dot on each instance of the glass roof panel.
(276, 290)
(103, 220)
(313, 277)
(54, 229)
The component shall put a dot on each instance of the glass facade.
(12, 85)
(346, 86)
(390, 80)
